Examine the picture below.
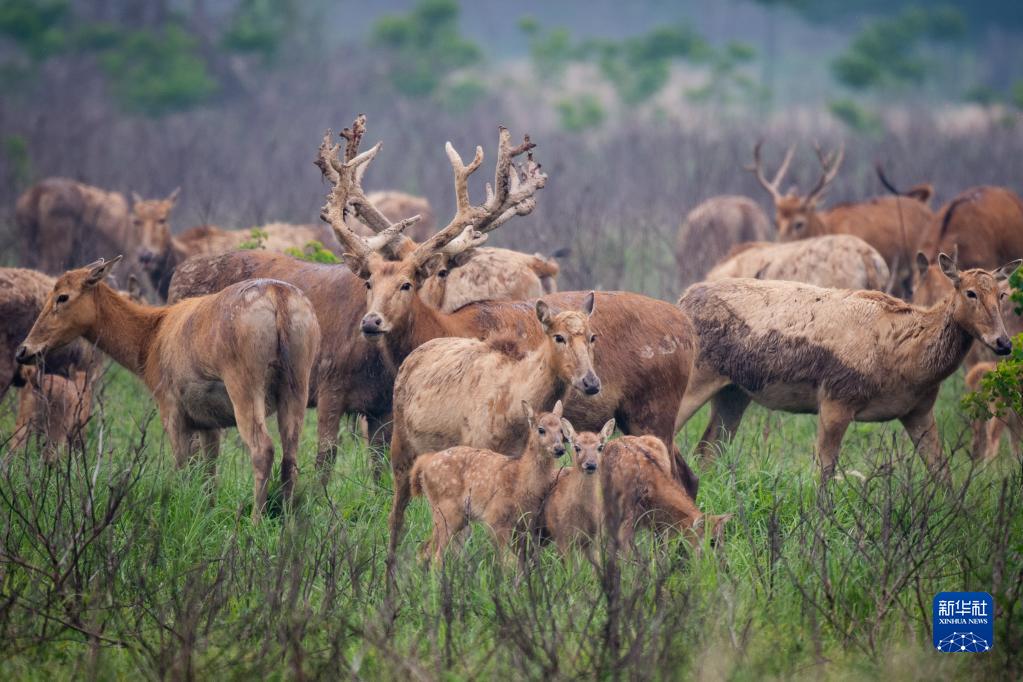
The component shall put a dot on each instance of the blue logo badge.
(964, 622)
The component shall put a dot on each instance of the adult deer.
(893, 225)
(228, 359)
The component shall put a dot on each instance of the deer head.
(588, 448)
(68, 312)
(571, 340)
(546, 428)
(976, 301)
(795, 216)
(394, 268)
(150, 222)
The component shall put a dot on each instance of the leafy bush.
(260, 27)
(855, 116)
(581, 113)
(314, 252)
(257, 239)
(35, 25)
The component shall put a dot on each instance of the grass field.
(119, 566)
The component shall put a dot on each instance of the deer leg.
(180, 437)
(448, 521)
(726, 410)
(330, 409)
(993, 436)
(981, 429)
(401, 463)
(290, 417)
(378, 436)
(250, 416)
(209, 444)
(923, 432)
(833, 419)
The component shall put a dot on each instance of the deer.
(714, 227)
(639, 492)
(839, 261)
(894, 225)
(506, 493)
(53, 409)
(985, 225)
(843, 355)
(490, 274)
(228, 359)
(354, 374)
(573, 511)
(395, 206)
(987, 433)
(23, 293)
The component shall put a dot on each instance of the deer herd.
(474, 372)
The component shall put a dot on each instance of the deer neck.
(534, 469)
(124, 330)
(424, 324)
(544, 384)
(946, 343)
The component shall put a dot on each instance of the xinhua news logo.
(964, 622)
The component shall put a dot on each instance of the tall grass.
(114, 564)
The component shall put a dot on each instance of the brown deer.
(23, 293)
(574, 510)
(53, 409)
(894, 225)
(839, 261)
(639, 492)
(714, 227)
(464, 484)
(228, 359)
(844, 355)
(987, 433)
(985, 224)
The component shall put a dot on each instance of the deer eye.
(558, 338)
(600, 448)
(542, 431)
(369, 285)
(407, 286)
(970, 293)
(62, 298)
(1002, 296)
(593, 338)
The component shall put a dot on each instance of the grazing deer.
(639, 492)
(466, 483)
(839, 261)
(844, 355)
(893, 225)
(985, 224)
(22, 295)
(228, 359)
(53, 409)
(987, 434)
(713, 228)
(574, 511)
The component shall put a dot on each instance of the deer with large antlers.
(893, 225)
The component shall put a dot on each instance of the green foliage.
(727, 83)
(580, 113)
(37, 26)
(855, 116)
(1017, 94)
(260, 27)
(257, 238)
(425, 46)
(157, 72)
(888, 51)
(17, 159)
(550, 51)
(314, 252)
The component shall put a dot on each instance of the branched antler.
(346, 189)
(511, 194)
(757, 169)
(829, 169)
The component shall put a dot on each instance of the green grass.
(179, 582)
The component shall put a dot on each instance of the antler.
(346, 188)
(511, 194)
(758, 170)
(829, 165)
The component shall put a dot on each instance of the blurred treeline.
(228, 99)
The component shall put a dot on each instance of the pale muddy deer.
(23, 293)
(574, 509)
(506, 493)
(712, 229)
(638, 492)
(228, 359)
(894, 225)
(844, 355)
(839, 261)
(53, 410)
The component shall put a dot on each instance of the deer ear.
(543, 313)
(558, 409)
(173, 195)
(948, 267)
(607, 431)
(135, 198)
(922, 263)
(589, 302)
(357, 264)
(527, 409)
(99, 270)
(431, 266)
(1005, 272)
(567, 430)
